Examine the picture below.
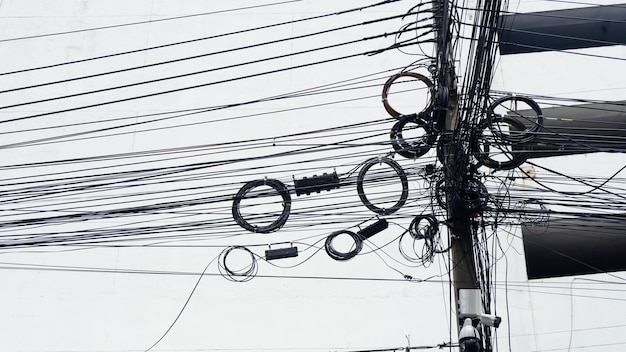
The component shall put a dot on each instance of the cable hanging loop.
(393, 112)
(280, 188)
(531, 115)
(486, 148)
(399, 172)
(247, 273)
(342, 256)
(415, 147)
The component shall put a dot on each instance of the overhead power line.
(148, 21)
(201, 39)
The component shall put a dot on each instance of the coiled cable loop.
(391, 111)
(279, 187)
(484, 145)
(244, 274)
(401, 175)
(337, 255)
(423, 227)
(416, 147)
(532, 116)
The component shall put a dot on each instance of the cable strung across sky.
(332, 144)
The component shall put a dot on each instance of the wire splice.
(325, 182)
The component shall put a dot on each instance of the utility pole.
(459, 220)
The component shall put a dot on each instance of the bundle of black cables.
(337, 255)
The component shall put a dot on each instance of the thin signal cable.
(594, 187)
(220, 145)
(198, 39)
(561, 36)
(134, 208)
(370, 52)
(574, 100)
(126, 181)
(62, 138)
(322, 89)
(210, 224)
(185, 168)
(584, 3)
(311, 277)
(565, 51)
(101, 74)
(65, 194)
(548, 15)
(595, 269)
(147, 22)
(265, 59)
(193, 290)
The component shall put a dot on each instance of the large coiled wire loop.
(415, 148)
(279, 187)
(393, 112)
(532, 116)
(486, 147)
(473, 195)
(403, 181)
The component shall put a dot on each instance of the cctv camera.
(469, 338)
(490, 320)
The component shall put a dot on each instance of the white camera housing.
(490, 320)
(470, 306)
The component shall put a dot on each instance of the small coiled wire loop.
(279, 187)
(393, 112)
(532, 116)
(486, 147)
(246, 273)
(414, 148)
(401, 175)
(337, 255)
(423, 226)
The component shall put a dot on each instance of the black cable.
(198, 39)
(68, 137)
(210, 83)
(146, 22)
(343, 256)
(535, 121)
(403, 181)
(483, 144)
(193, 290)
(251, 46)
(418, 146)
(279, 188)
(244, 274)
(563, 51)
(237, 65)
(390, 110)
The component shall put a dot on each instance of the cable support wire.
(340, 86)
(230, 50)
(151, 21)
(64, 138)
(141, 176)
(231, 66)
(357, 131)
(248, 30)
(264, 73)
(144, 209)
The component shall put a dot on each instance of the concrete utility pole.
(447, 112)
